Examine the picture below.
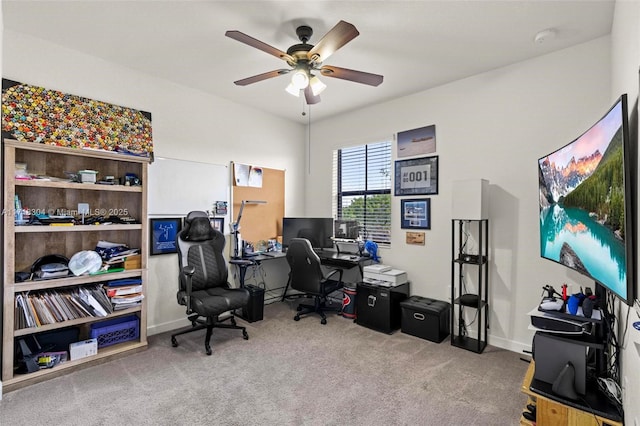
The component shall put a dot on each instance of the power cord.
(610, 388)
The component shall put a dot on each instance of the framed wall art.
(163, 235)
(418, 176)
(414, 142)
(416, 213)
(217, 223)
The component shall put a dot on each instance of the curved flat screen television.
(586, 204)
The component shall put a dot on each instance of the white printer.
(383, 275)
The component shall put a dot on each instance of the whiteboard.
(177, 187)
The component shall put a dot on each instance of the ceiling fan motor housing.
(304, 33)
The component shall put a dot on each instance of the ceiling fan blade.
(243, 38)
(352, 75)
(310, 97)
(260, 77)
(337, 37)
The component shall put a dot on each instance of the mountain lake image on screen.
(585, 204)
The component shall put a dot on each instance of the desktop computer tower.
(552, 353)
(378, 307)
(254, 310)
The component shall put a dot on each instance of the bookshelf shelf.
(24, 244)
(79, 321)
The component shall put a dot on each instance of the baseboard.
(167, 326)
(509, 345)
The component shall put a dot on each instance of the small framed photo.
(416, 213)
(164, 232)
(418, 176)
(217, 223)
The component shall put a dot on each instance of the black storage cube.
(378, 307)
(426, 318)
(255, 308)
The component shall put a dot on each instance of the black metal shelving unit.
(469, 270)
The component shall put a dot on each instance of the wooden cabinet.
(554, 413)
(23, 244)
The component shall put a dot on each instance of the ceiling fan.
(305, 59)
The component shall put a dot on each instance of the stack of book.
(125, 293)
(53, 306)
(114, 255)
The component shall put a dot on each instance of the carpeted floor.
(287, 373)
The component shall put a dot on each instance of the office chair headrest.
(193, 214)
(198, 229)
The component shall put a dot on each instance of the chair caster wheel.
(174, 342)
(208, 348)
(323, 321)
(296, 318)
(245, 335)
(298, 308)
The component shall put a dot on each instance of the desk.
(554, 410)
(245, 262)
(329, 258)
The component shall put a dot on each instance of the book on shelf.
(124, 282)
(124, 290)
(34, 309)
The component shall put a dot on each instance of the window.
(362, 188)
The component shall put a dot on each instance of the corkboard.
(260, 221)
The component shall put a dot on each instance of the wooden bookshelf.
(23, 244)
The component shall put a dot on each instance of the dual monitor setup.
(320, 231)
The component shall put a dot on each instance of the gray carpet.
(287, 373)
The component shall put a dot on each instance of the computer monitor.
(346, 229)
(318, 230)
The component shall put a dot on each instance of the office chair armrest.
(333, 272)
(188, 272)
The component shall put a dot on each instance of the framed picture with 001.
(418, 176)
(416, 213)
(164, 232)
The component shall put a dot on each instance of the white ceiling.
(416, 45)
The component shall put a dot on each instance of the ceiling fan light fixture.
(317, 86)
(293, 90)
(300, 79)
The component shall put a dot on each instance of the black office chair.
(203, 280)
(306, 276)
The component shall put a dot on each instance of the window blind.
(362, 188)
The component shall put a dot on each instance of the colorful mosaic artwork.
(39, 115)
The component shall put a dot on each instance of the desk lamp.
(235, 226)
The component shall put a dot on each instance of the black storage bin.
(426, 318)
(254, 310)
(378, 307)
